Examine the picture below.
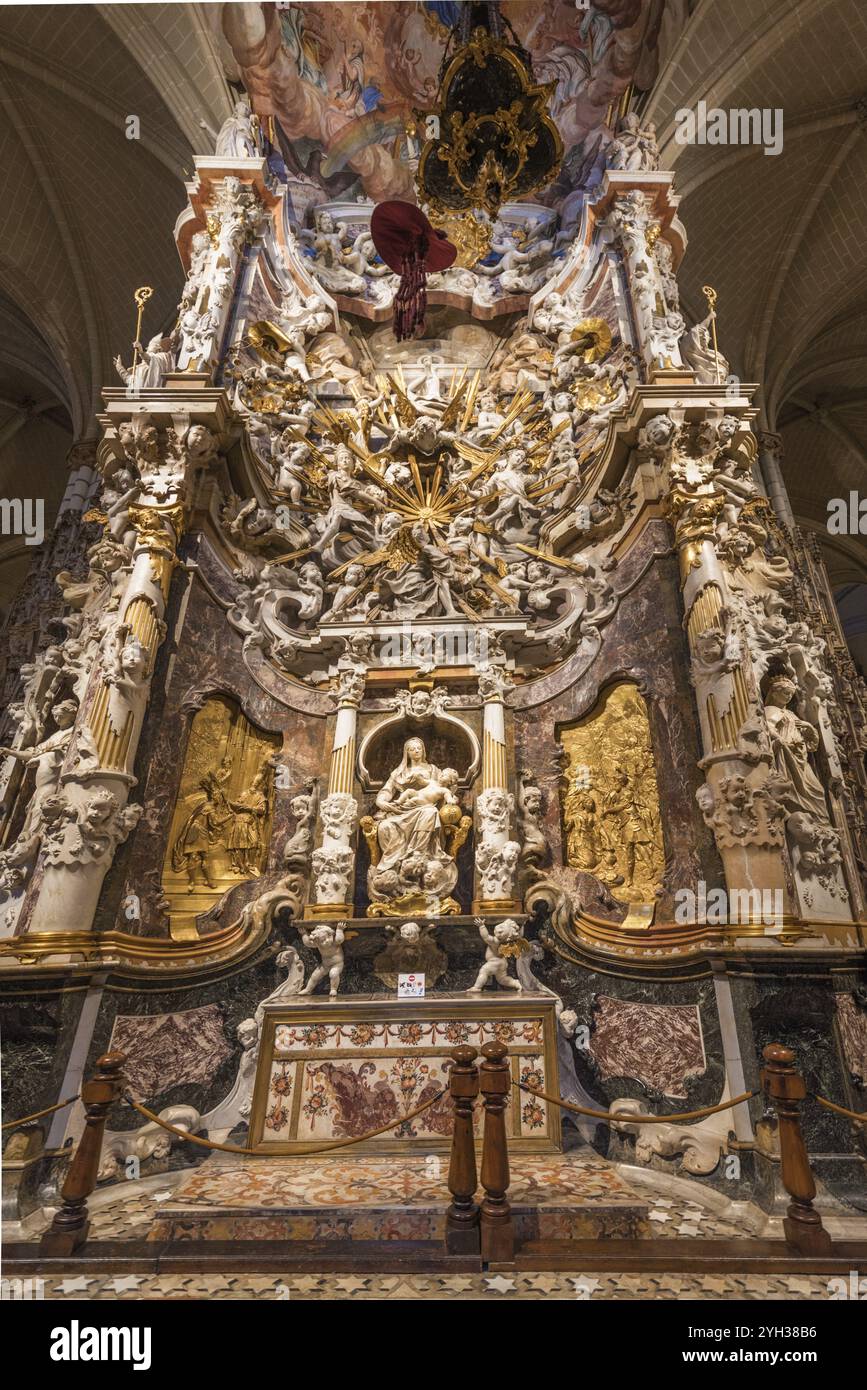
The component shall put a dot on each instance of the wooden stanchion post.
(462, 1216)
(495, 1218)
(69, 1228)
(786, 1089)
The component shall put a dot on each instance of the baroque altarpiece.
(482, 657)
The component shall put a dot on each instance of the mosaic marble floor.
(384, 1182)
(474, 1287)
(407, 1181)
(376, 1183)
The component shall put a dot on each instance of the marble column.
(770, 455)
(167, 445)
(334, 857)
(496, 849)
(635, 210)
(752, 848)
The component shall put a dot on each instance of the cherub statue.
(534, 845)
(328, 941)
(665, 335)
(292, 459)
(496, 965)
(488, 419)
(307, 592)
(344, 588)
(118, 492)
(520, 253)
(299, 846)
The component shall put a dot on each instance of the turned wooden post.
(495, 1217)
(462, 1217)
(786, 1089)
(69, 1228)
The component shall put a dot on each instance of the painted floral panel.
(304, 1038)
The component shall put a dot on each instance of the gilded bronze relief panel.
(221, 824)
(609, 796)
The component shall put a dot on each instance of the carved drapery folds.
(413, 837)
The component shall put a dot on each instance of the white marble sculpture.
(496, 965)
(328, 941)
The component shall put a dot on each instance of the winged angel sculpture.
(416, 504)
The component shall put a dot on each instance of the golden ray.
(558, 480)
(450, 414)
(470, 612)
(471, 401)
(471, 477)
(559, 560)
(416, 477)
(500, 566)
(501, 593)
(292, 555)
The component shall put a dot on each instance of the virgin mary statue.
(410, 864)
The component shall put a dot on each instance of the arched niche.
(449, 742)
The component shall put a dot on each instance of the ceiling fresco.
(340, 80)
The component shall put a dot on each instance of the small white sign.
(410, 986)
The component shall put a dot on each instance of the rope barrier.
(626, 1118)
(49, 1110)
(307, 1153)
(840, 1110)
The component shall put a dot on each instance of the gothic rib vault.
(497, 657)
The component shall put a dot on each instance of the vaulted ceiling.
(87, 214)
(783, 238)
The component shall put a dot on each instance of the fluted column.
(496, 850)
(92, 814)
(341, 776)
(334, 856)
(494, 771)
